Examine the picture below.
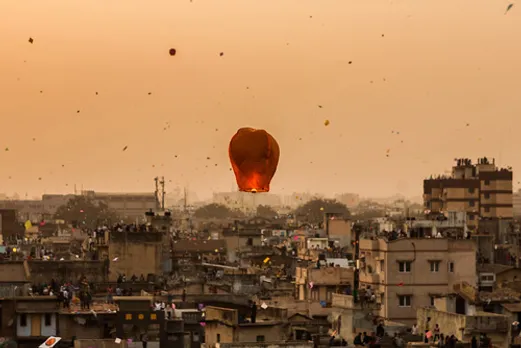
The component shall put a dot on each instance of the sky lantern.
(254, 155)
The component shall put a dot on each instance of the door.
(36, 324)
(461, 307)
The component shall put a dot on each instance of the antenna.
(156, 192)
(162, 183)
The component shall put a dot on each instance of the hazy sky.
(438, 66)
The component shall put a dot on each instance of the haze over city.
(406, 87)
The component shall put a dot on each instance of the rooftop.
(493, 268)
(98, 308)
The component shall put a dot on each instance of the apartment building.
(319, 284)
(482, 190)
(406, 274)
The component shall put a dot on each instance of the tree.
(216, 211)
(86, 212)
(313, 211)
(266, 211)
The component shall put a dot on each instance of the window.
(261, 338)
(404, 300)
(487, 195)
(471, 190)
(404, 266)
(435, 266)
(451, 267)
(432, 300)
(382, 265)
(314, 294)
(471, 216)
(487, 182)
(47, 319)
(218, 338)
(487, 209)
(472, 203)
(23, 320)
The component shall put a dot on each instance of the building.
(481, 190)
(319, 284)
(10, 228)
(516, 202)
(139, 252)
(36, 319)
(408, 273)
(223, 325)
(349, 318)
(130, 206)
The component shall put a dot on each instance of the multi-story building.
(481, 190)
(516, 202)
(128, 205)
(406, 274)
(319, 284)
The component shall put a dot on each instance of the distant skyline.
(423, 82)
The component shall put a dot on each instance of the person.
(380, 331)
(474, 342)
(366, 339)
(398, 341)
(358, 340)
(253, 312)
(414, 329)
(144, 340)
(110, 295)
(485, 341)
(436, 332)
(66, 299)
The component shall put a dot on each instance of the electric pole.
(162, 183)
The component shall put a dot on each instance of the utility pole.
(162, 183)
(156, 192)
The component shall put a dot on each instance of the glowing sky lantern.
(254, 155)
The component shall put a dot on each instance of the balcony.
(372, 278)
(343, 301)
(348, 302)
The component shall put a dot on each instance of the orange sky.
(439, 65)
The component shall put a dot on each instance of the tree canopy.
(216, 211)
(86, 212)
(314, 210)
(266, 211)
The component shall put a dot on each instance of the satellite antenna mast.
(162, 183)
(156, 192)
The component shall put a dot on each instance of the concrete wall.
(286, 344)
(212, 329)
(44, 271)
(341, 229)
(108, 343)
(69, 328)
(270, 333)
(138, 253)
(496, 326)
(225, 315)
(13, 271)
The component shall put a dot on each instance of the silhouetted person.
(144, 340)
(474, 342)
(253, 312)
